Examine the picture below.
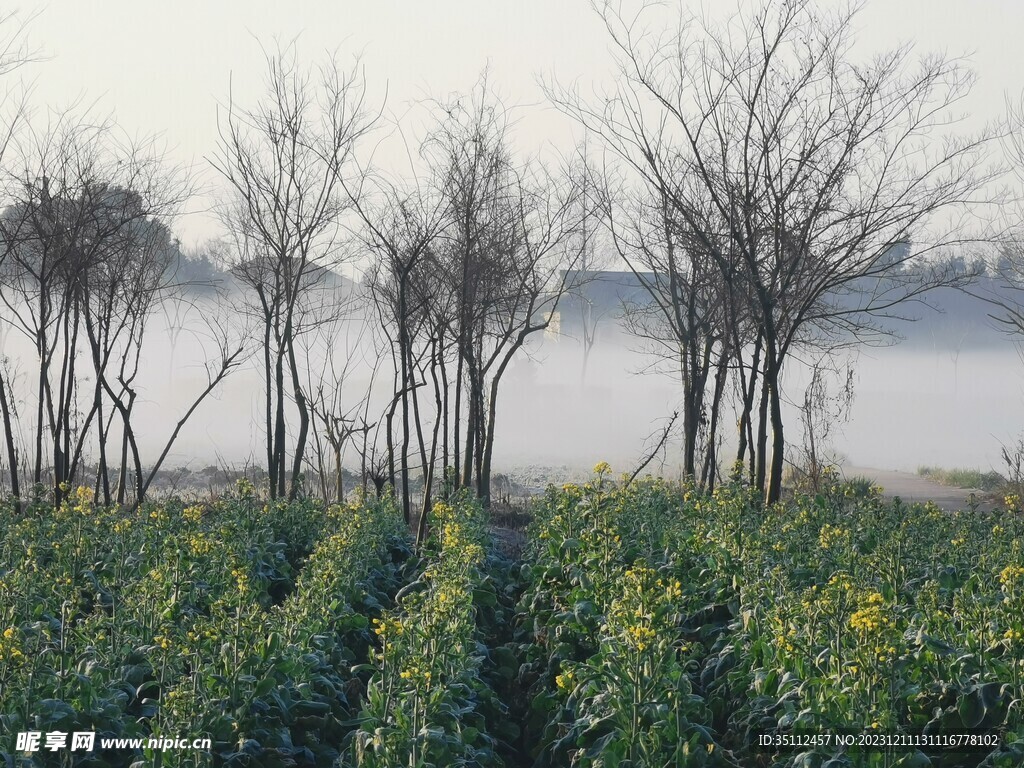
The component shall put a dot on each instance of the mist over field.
(573, 384)
(457, 198)
(947, 390)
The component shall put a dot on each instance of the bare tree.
(470, 260)
(121, 292)
(594, 256)
(400, 230)
(509, 251)
(686, 320)
(15, 52)
(822, 409)
(334, 410)
(287, 160)
(793, 168)
(1006, 285)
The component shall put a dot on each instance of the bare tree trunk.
(762, 437)
(748, 389)
(303, 407)
(106, 437)
(363, 472)
(128, 442)
(61, 426)
(778, 439)
(322, 471)
(12, 454)
(71, 458)
(418, 423)
(708, 476)
(689, 418)
(339, 481)
(404, 457)
(102, 470)
(484, 481)
(269, 400)
(390, 437)
(698, 361)
(471, 417)
(122, 474)
(428, 483)
(438, 427)
(279, 424)
(136, 456)
(456, 418)
(103, 473)
(480, 435)
(444, 408)
(37, 474)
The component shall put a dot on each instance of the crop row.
(426, 704)
(233, 620)
(663, 627)
(645, 625)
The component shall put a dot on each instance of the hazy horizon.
(169, 70)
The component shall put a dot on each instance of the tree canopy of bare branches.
(287, 160)
(89, 260)
(469, 264)
(789, 174)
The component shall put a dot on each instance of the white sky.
(161, 67)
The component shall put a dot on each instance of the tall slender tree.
(286, 161)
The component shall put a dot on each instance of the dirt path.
(914, 488)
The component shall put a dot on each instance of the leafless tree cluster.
(287, 161)
(772, 195)
(767, 191)
(462, 266)
(88, 259)
(468, 265)
(1006, 264)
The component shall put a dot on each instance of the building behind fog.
(946, 318)
(598, 299)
